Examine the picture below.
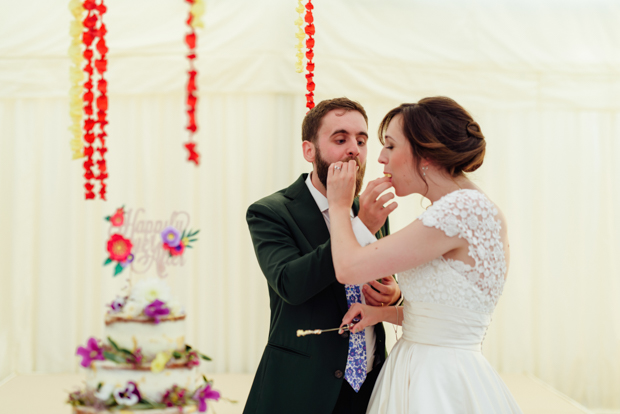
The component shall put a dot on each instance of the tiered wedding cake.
(143, 363)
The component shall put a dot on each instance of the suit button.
(338, 374)
(345, 334)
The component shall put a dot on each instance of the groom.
(325, 373)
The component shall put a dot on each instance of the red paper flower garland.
(102, 101)
(94, 29)
(193, 21)
(310, 55)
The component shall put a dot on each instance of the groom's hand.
(388, 292)
(372, 213)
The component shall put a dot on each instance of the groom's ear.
(309, 151)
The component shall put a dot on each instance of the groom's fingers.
(374, 298)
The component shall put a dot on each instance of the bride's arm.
(412, 246)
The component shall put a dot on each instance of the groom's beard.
(322, 168)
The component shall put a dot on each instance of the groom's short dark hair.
(312, 121)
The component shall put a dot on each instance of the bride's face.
(397, 160)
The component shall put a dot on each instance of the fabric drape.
(541, 78)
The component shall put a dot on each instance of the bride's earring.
(424, 171)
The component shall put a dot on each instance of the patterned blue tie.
(355, 372)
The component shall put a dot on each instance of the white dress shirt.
(364, 237)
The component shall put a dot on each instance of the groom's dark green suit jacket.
(291, 240)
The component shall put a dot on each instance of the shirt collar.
(319, 199)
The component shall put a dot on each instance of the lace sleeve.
(468, 214)
(450, 214)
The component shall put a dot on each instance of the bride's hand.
(341, 184)
(368, 316)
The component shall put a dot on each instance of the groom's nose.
(352, 149)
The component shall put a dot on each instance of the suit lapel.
(307, 215)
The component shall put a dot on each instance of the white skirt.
(442, 377)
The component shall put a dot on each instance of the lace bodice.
(467, 214)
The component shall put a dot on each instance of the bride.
(452, 263)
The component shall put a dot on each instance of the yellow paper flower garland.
(299, 66)
(197, 10)
(76, 76)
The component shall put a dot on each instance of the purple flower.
(127, 261)
(118, 303)
(156, 309)
(171, 236)
(203, 394)
(91, 353)
(127, 396)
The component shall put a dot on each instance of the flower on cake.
(160, 361)
(92, 352)
(203, 394)
(118, 218)
(105, 391)
(175, 397)
(175, 243)
(193, 359)
(118, 303)
(147, 290)
(133, 309)
(127, 396)
(156, 309)
(135, 358)
(175, 307)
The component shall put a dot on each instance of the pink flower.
(135, 358)
(203, 394)
(193, 360)
(92, 352)
(118, 218)
(175, 396)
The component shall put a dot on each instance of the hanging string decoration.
(76, 76)
(88, 52)
(88, 37)
(101, 65)
(300, 35)
(309, 55)
(194, 21)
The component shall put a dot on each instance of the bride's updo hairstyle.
(441, 131)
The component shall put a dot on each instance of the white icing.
(151, 337)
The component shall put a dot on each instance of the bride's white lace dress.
(437, 366)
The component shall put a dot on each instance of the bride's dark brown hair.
(442, 131)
